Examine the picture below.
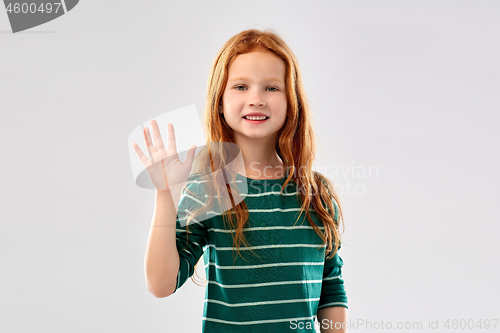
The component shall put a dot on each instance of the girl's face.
(256, 83)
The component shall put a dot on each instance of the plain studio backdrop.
(405, 102)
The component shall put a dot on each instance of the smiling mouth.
(256, 118)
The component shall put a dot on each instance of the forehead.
(257, 61)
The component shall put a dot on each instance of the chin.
(257, 136)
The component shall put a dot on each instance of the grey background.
(410, 87)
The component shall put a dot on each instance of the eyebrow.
(245, 78)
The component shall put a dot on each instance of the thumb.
(190, 154)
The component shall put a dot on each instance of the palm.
(165, 168)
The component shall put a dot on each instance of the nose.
(256, 99)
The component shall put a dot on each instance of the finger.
(190, 155)
(171, 137)
(142, 157)
(157, 135)
(147, 140)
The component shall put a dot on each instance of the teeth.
(255, 118)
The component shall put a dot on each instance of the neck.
(261, 161)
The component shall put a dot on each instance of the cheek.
(230, 99)
(283, 105)
(283, 101)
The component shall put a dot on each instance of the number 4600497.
(27, 8)
(470, 324)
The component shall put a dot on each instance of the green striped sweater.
(278, 291)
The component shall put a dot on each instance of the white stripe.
(332, 278)
(266, 228)
(263, 302)
(271, 210)
(212, 213)
(268, 265)
(265, 247)
(198, 245)
(195, 199)
(249, 195)
(271, 192)
(277, 210)
(266, 284)
(330, 304)
(255, 195)
(194, 181)
(269, 321)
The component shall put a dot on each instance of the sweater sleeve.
(332, 288)
(192, 239)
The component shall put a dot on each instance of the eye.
(238, 86)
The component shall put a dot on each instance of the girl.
(270, 258)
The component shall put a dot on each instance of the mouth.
(256, 120)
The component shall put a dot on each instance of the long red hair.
(295, 144)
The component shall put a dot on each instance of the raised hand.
(164, 167)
